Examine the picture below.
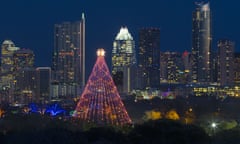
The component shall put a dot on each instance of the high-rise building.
(21, 59)
(43, 76)
(25, 86)
(100, 102)
(172, 67)
(24, 75)
(69, 58)
(201, 44)
(123, 60)
(225, 62)
(7, 67)
(237, 68)
(149, 58)
(8, 49)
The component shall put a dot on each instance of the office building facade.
(225, 62)
(123, 60)
(69, 58)
(149, 58)
(43, 76)
(201, 44)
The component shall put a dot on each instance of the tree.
(172, 114)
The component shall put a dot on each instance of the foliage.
(172, 115)
(152, 115)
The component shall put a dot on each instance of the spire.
(83, 17)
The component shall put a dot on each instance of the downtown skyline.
(30, 24)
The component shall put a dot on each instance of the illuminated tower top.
(203, 6)
(124, 34)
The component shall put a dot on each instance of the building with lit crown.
(201, 44)
(7, 67)
(69, 58)
(123, 60)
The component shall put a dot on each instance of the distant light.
(213, 125)
(100, 52)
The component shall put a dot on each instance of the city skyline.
(34, 30)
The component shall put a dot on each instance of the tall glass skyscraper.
(123, 60)
(149, 58)
(201, 44)
(69, 58)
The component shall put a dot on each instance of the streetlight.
(213, 127)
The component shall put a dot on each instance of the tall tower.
(24, 76)
(123, 60)
(100, 102)
(82, 51)
(149, 57)
(43, 76)
(225, 62)
(7, 68)
(69, 58)
(201, 44)
(8, 49)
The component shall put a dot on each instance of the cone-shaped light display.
(100, 102)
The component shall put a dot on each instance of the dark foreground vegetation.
(34, 129)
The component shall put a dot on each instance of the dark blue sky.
(29, 23)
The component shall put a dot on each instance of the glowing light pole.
(213, 127)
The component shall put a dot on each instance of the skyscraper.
(24, 76)
(25, 86)
(123, 60)
(21, 59)
(149, 58)
(201, 44)
(172, 67)
(43, 76)
(7, 67)
(69, 58)
(8, 49)
(225, 62)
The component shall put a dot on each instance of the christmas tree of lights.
(100, 102)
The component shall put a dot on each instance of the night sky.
(29, 23)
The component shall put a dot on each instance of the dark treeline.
(35, 129)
